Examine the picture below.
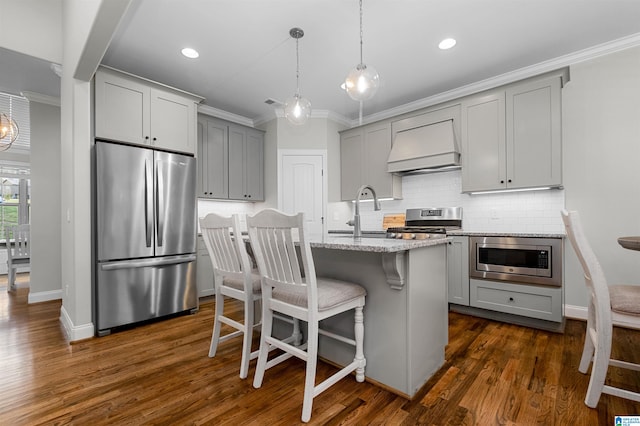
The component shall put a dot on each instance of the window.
(15, 203)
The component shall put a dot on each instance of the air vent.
(271, 101)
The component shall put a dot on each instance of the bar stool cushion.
(238, 283)
(331, 293)
(625, 299)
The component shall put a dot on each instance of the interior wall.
(45, 279)
(601, 153)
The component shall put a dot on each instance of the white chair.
(233, 277)
(18, 253)
(618, 304)
(310, 299)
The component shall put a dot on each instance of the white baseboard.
(575, 312)
(207, 293)
(44, 296)
(74, 332)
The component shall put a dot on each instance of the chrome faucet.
(355, 222)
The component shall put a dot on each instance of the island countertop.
(378, 245)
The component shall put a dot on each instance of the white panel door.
(302, 189)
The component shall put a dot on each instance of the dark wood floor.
(160, 374)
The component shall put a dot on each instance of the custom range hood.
(425, 149)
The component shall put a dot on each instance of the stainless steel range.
(428, 222)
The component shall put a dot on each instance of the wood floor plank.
(160, 373)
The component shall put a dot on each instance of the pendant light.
(297, 109)
(363, 81)
(8, 131)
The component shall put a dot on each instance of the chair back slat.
(224, 243)
(279, 252)
(273, 235)
(20, 234)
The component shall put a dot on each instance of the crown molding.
(506, 78)
(40, 98)
(215, 112)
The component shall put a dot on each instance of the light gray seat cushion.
(331, 293)
(625, 299)
(238, 284)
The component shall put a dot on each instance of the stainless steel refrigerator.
(145, 235)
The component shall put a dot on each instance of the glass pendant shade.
(8, 131)
(297, 109)
(362, 82)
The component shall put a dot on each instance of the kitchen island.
(405, 314)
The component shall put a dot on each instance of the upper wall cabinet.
(230, 161)
(139, 111)
(363, 161)
(512, 137)
(212, 158)
(246, 164)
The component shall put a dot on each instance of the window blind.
(17, 107)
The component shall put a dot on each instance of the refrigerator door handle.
(145, 263)
(159, 204)
(148, 205)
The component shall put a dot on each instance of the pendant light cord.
(361, 61)
(297, 70)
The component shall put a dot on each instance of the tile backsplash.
(526, 212)
(224, 208)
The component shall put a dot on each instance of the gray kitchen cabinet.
(512, 138)
(142, 112)
(212, 159)
(533, 301)
(246, 164)
(204, 270)
(230, 160)
(458, 270)
(363, 161)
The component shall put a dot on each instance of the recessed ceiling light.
(447, 43)
(190, 53)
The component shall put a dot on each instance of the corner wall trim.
(74, 332)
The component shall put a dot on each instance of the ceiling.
(247, 55)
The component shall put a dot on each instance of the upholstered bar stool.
(310, 299)
(608, 304)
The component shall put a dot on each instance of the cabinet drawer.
(518, 299)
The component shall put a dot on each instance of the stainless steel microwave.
(517, 259)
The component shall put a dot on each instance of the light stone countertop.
(504, 234)
(379, 245)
